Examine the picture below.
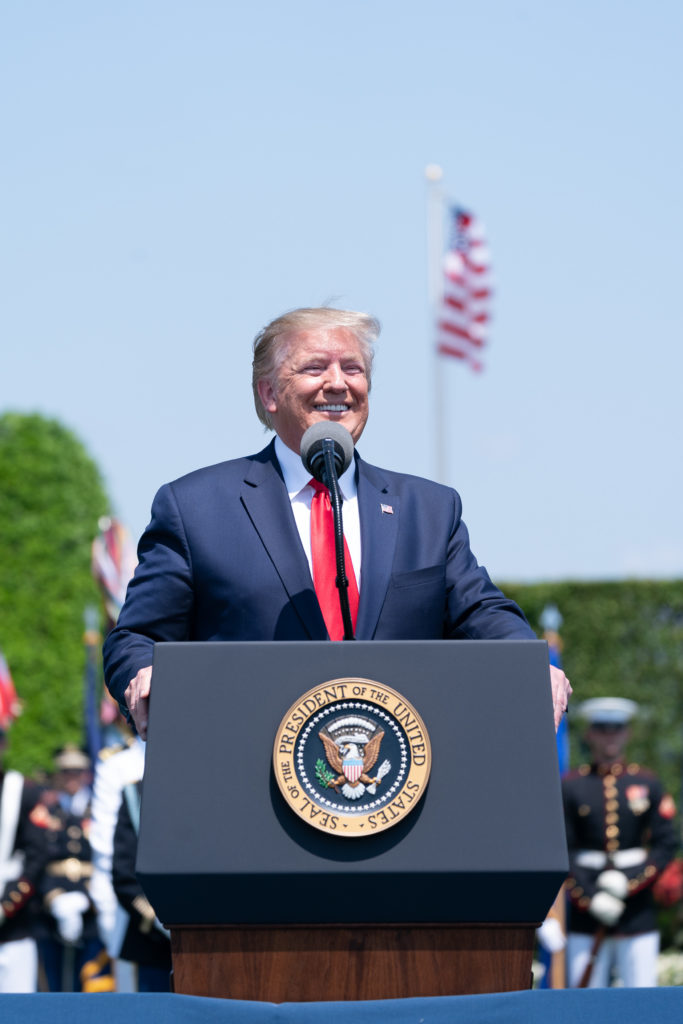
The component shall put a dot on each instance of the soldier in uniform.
(23, 852)
(146, 942)
(621, 835)
(72, 955)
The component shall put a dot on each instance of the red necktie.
(325, 564)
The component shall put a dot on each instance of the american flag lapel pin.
(387, 510)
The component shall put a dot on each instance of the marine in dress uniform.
(72, 955)
(621, 835)
(23, 853)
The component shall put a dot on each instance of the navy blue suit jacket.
(222, 560)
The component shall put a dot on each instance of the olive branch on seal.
(323, 773)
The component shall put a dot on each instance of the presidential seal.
(352, 757)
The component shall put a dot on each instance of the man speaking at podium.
(232, 551)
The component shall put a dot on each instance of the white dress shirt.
(301, 494)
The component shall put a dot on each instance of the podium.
(262, 906)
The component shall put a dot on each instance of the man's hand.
(551, 936)
(137, 699)
(613, 882)
(67, 909)
(561, 689)
(606, 909)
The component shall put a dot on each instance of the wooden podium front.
(262, 906)
(333, 962)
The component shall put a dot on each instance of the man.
(621, 835)
(146, 942)
(116, 768)
(23, 852)
(68, 937)
(228, 553)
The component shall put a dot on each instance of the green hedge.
(623, 639)
(51, 496)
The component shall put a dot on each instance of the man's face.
(322, 377)
(607, 742)
(70, 780)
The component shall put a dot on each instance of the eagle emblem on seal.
(352, 744)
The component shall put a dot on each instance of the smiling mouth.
(332, 407)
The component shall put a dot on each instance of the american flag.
(464, 311)
(10, 705)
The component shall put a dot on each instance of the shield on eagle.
(352, 767)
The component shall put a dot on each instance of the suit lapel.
(378, 509)
(266, 501)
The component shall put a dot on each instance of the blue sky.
(175, 174)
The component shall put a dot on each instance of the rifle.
(600, 936)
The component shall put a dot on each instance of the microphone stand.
(342, 582)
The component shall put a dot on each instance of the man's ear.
(266, 393)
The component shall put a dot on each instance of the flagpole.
(435, 252)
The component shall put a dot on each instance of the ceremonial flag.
(10, 705)
(551, 621)
(554, 964)
(464, 311)
(113, 564)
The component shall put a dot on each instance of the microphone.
(326, 451)
(313, 447)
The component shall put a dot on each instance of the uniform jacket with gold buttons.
(69, 866)
(18, 891)
(617, 816)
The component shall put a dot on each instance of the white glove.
(613, 882)
(607, 909)
(551, 936)
(68, 908)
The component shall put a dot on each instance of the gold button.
(612, 844)
(617, 769)
(584, 809)
(611, 793)
(611, 831)
(612, 805)
(609, 780)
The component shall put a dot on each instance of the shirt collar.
(296, 476)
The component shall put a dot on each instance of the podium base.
(319, 963)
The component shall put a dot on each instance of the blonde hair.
(269, 347)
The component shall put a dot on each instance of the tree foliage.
(51, 496)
